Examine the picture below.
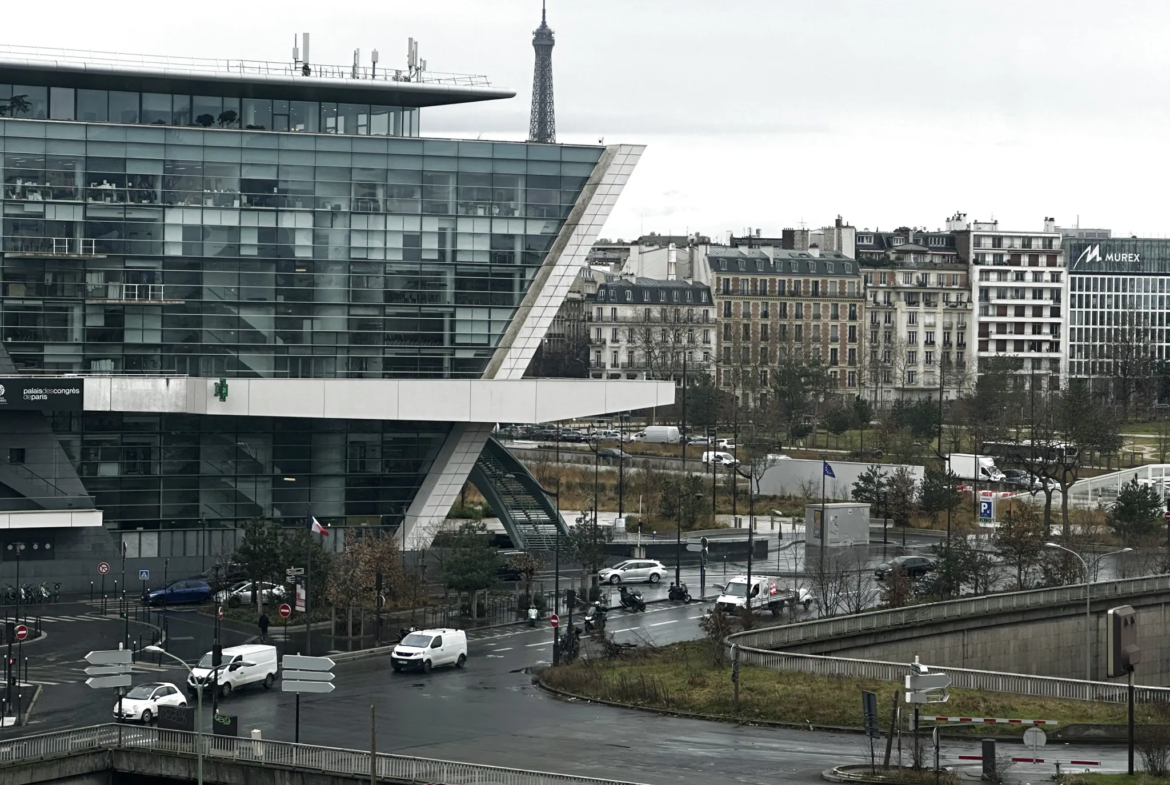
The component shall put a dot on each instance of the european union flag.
(829, 470)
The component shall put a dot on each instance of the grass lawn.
(683, 677)
(1140, 778)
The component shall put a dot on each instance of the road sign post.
(305, 674)
(111, 671)
(554, 620)
(20, 632)
(987, 509)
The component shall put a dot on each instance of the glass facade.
(1119, 304)
(132, 246)
(36, 102)
(218, 252)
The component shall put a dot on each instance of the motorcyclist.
(532, 614)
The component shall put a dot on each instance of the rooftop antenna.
(357, 59)
(305, 68)
(374, 62)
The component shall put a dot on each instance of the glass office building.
(1119, 306)
(211, 224)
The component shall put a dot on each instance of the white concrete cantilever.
(417, 400)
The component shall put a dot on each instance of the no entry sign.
(20, 631)
(554, 620)
(285, 610)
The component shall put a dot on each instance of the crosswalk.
(75, 618)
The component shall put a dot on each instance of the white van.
(426, 649)
(659, 434)
(239, 667)
(719, 459)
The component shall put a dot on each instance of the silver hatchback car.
(633, 571)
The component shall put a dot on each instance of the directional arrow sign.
(927, 681)
(103, 682)
(306, 686)
(108, 670)
(307, 676)
(114, 657)
(694, 547)
(295, 571)
(297, 662)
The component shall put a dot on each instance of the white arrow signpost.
(111, 669)
(922, 686)
(305, 674)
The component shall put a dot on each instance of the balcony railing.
(127, 292)
(50, 246)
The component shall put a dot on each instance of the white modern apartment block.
(1018, 285)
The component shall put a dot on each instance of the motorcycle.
(632, 600)
(532, 614)
(679, 592)
(570, 644)
(595, 618)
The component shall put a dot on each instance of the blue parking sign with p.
(986, 509)
(143, 575)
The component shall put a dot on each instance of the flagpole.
(308, 572)
(824, 473)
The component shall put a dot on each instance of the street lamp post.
(199, 699)
(17, 548)
(1088, 600)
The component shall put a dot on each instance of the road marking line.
(546, 643)
(659, 624)
(507, 649)
(624, 629)
(694, 617)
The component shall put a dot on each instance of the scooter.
(679, 592)
(632, 600)
(532, 614)
(595, 618)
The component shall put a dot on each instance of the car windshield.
(736, 590)
(205, 661)
(417, 639)
(621, 565)
(141, 692)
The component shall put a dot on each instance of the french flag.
(316, 527)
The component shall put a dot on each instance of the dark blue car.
(185, 591)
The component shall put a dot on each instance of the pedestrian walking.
(263, 624)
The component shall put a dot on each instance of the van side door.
(438, 652)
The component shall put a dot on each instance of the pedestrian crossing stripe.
(54, 619)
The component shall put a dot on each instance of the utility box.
(1124, 653)
(846, 525)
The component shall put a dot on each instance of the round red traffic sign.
(103, 568)
(285, 610)
(554, 620)
(20, 631)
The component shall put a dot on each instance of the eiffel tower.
(542, 127)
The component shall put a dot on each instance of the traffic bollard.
(91, 591)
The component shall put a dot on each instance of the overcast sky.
(760, 113)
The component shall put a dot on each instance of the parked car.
(241, 593)
(724, 444)
(698, 440)
(633, 571)
(239, 667)
(142, 702)
(914, 566)
(613, 452)
(607, 436)
(866, 455)
(426, 649)
(181, 592)
(569, 435)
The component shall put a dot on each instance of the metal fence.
(329, 760)
(763, 647)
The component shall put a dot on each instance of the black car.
(612, 452)
(913, 566)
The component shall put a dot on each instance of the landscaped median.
(685, 678)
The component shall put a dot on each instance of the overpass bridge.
(1029, 643)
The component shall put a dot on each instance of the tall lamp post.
(199, 700)
(1088, 599)
(17, 548)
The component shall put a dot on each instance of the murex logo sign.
(1093, 254)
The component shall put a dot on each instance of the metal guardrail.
(763, 647)
(330, 760)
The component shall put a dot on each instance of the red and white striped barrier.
(1039, 760)
(990, 720)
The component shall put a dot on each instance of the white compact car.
(241, 593)
(239, 667)
(142, 702)
(633, 571)
(426, 649)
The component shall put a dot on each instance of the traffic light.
(570, 597)
(1124, 653)
(216, 655)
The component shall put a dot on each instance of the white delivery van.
(239, 667)
(426, 649)
(659, 434)
(762, 593)
(971, 467)
(719, 458)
